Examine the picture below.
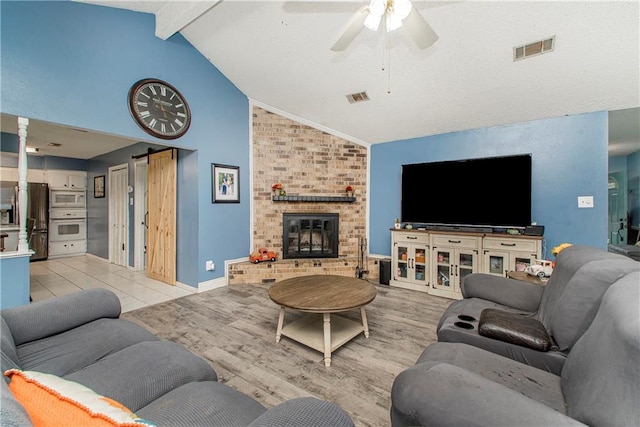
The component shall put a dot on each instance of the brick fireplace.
(314, 167)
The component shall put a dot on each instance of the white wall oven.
(68, 199)
(67, 224)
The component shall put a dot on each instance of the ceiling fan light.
(402, 8)
(378, 7)
(372, 22)
(393, 22)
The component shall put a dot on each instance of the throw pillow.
(514, 328)
(53, 401)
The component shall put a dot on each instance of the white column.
(23, 124)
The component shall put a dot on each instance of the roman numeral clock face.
(159, 109)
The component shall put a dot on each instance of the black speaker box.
(385, 271)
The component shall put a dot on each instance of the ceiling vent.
(534, 49)
(357, 97)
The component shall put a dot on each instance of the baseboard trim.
(209, 285)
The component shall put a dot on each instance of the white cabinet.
(33, 175)
(437, 262)
(67, 179)
(410, 261)
(503, 254)
(69, 248)
(454, 257)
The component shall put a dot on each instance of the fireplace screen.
(310, 235)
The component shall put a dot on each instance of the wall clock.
(159, 109)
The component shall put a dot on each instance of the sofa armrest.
(502, 290)
(53, 316)
(443, 395)
(304, 411)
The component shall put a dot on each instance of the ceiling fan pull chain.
(388, 65)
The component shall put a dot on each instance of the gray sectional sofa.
(595, 378)
(81, 338)
(565, 306)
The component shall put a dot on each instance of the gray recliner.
(460, 385)
(565, 306)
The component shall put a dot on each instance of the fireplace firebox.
(312, 235)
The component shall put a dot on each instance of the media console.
(437, 260)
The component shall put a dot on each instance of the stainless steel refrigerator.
(37, 219)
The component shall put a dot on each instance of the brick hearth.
(308, 162)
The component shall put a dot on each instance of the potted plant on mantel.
(278, 189)
(349, 190)
(397, 224)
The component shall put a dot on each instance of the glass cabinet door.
(496, 263)
(420, 264)
(466, 265)
(443, 270)
(402, 262)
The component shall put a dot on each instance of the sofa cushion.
(304, 411)
(77, 348)
(52, 401)
(536, 384)
(570, 313)
(601, 378)
(203, 404)
(56, 315)
(445, 395)
(156, 367)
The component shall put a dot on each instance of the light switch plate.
(585, 201)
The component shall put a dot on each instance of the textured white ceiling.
(278, 54)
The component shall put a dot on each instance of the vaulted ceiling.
(278, 54)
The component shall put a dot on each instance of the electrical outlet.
(585, 201)
(209, 266)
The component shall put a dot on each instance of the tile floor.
(52, 278)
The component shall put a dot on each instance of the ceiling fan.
(397, 13)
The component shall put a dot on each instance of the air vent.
(358, 97)
(54, 144)
(534, 49)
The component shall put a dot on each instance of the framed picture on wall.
(225, 183)
(98, 186)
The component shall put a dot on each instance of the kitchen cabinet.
(67, 248)
(67, 180)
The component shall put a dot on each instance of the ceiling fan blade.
(419, 30)
(352, 29)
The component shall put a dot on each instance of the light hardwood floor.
(234, 328)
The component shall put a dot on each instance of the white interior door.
(118, 215)
(140, 215)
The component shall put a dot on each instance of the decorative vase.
(397, 225)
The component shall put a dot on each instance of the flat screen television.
(484, 192)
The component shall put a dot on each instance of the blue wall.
(73, 64)
(569, 159)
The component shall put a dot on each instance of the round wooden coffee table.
(322, 294)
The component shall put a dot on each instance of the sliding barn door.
(161, 203)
